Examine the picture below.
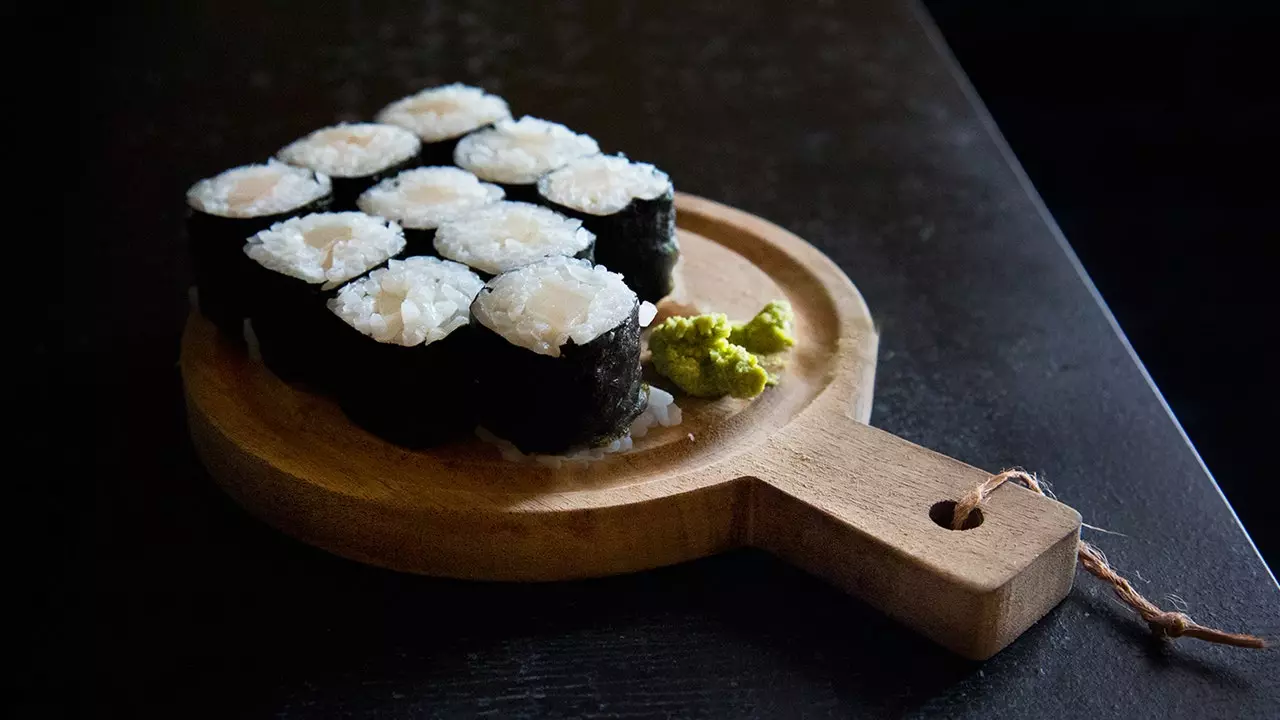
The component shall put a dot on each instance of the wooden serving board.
(797, 471)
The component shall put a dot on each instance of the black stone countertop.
(847, 123)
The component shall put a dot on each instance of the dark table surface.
(847, 123)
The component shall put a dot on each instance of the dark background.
(1150, 131)
(1146, 129)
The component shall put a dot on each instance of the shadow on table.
(201, 608)
(1105, 615)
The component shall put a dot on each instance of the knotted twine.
(1162, 623)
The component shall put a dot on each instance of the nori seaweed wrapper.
(220, 266)
(588, 253)
(520, 193)
(295, 329)
(639, 241)
(440, 152)
(347, 189)
(415, 396)
(586, 397)
(420, 241)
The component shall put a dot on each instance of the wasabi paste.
(768, 332)
(707, 356)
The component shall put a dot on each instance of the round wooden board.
(294, 459)
(795, 471)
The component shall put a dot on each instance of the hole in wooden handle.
(943, 512)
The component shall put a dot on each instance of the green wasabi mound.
(768, 332)
(707, 356)
(695, 354)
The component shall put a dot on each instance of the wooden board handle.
(852, 504)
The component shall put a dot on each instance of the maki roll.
(354, 156)
(226, 209)
(422, 198)
(508, 235)
(294, 266)
(630, 208)
(442, 115)
(515, 153)
(413, 340)
(557, 356)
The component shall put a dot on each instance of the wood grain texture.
(796, 472)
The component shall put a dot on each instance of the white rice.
(422, 198)
(518, 152)
(660, 410)
(508, 235)
(603, 184)
(258, 190)
(410, 302)
(326, 248)
(543, 306)
(352, 150)
(648, 311)
(445, 112)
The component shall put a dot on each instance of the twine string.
(1161, 622)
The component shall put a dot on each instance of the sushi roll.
(405, 353)
(442, 115)
(630, 208)
(229, 207)
(515, 153)
(354, 156)
(295, 266)
(508, 235)
(557, 356)
(422, 198)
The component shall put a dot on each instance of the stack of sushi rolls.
(403, 369)
(355, 156)
(515, 153)
(422, 198)
(440, 116)
(630, 207)
(436, 269)
(508, 235)
(557, 356)
(295, 266)
(229, 207)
